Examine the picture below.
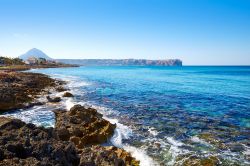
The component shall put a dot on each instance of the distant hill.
(34, 52)
(122, 62)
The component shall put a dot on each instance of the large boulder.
(84, 125)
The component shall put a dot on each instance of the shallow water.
(164, 114)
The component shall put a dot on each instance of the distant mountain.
(34, 52)
(122, 62)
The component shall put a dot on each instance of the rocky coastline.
(76, 139)
(21, 89)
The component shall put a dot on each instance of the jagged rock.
(26, 144)
(31, 161)
(210, 138)
(108, 156)
(53, 100)
(60, 89)
(85, 125)
(67, 94)
(19, 90)
(63, 134)
(194, 160)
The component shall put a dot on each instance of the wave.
(124, 132)
(38, 115)
(121, 132)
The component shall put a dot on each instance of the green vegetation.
(17, 64)
(4, 61)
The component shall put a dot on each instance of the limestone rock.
(60, 89)
(17, 90)
(67, 94)
(108, 156)
(26, 144)
(53, 100)
(85, 126)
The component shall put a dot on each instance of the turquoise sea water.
(166, 115)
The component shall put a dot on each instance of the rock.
(60, 89)
(17, 90)
(26, 144)
(85, 125)
(75, 140)
(17, 162)
(63, 134)
(236, 147)
(67, 94)
(208, 137)
(108, 156)
(210, 161)
(158, 145)
(197, 161)
(53, 100)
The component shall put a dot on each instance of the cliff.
(122, 62)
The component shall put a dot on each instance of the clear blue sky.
(200, 32)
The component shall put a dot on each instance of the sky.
(199, 32)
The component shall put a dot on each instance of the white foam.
(75, 84)
(69, 103)
(73, 81)
(121, 132)
(140, 155)
(35, 115)
(124, 132)
(175, 149)
(174, 142)
(153, 131)
(247, 151)
(198, 140)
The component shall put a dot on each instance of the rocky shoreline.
(20, 90)
(76, 139)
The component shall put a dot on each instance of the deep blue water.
(173, 112)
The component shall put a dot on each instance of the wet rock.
(85, 125)
(158, 145)
(210, 138)
(67, 94)
(53, 100)
(108, 156)
(236, 147)
(60, 89)
(197, 161)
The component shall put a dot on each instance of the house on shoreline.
(38, 61)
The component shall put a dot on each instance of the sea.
(164, 115)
